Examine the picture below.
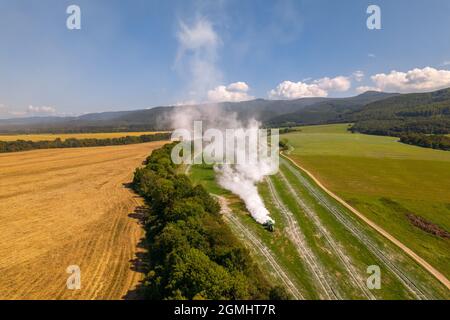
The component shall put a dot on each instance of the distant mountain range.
(364, 107)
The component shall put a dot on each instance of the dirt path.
(260, 247)
(335, 247)
(325, 286)
(66, 207)
(403, 277)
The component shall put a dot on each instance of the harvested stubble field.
(69, 207)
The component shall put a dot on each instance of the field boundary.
(22, 145)
(438, 275)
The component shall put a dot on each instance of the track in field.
(261, 249)
(413, 288)
(305, 252)
(356, 279)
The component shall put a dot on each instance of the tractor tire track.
(302, 247)
(335, 247)
(349, 225)
(263, 249)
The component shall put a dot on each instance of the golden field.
(64, 136)
(70, 207)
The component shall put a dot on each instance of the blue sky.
(142, 53)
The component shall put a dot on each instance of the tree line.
(192, 253)
(427, 141)
(397, 127)
(420, 119)
(68, 128)
(427, 133)
(23, 145)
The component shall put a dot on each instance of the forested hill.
(329, 110)
(269, 112)
(371, 112)
(425, 113)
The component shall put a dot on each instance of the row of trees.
(397, 127)
(284, 144)
(286, 130)
(69, 128)
(192, 252)
(428, 141)
(427, 134)
(22, 145)
(420, 119)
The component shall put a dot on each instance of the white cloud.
(316, 88)
(358, 75)
(296, 90)
(371, 55)
(40, 110)
(446, 63)
(335, 84)
(363, 89)
(238, 86)
(416, 80)
(237, 91)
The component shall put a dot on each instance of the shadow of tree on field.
(140, 262)
(129, 185)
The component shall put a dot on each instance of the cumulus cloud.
(416, 80)
(238, 86)
(40, 110)
(316, 88)
(237, 91)
(358, 75)
(363, 89)
(371, 55)
(295, 90)
(335, 84)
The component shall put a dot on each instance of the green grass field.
(385, 180)
(351, 247)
